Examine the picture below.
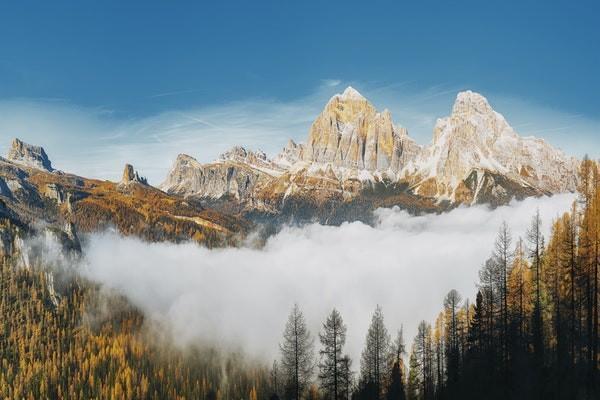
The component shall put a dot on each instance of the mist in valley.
(239, 298)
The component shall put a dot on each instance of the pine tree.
(395, 390)
(415, 385)
(519, 293)
(375, 361)
(399, 348)
(488, 278)
(275, 380)
(502, 256)
(536, 247)
(296, 355)
(346, 375)
(333, 338)
(423, 350)
(439, 343)
(476, 330)
(451, 304)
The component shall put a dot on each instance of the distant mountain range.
(356, 159)
(34, 196)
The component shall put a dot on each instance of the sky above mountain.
(127, 82)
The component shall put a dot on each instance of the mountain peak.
(351, 94)
(351, 133)
(469, 102)
(29, 155)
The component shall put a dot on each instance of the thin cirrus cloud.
(95, 142)
(240, 297)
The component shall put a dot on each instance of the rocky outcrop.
(130, 175)
(29, 155)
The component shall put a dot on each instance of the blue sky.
(120, 64)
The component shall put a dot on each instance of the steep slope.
(30, 195)
(356, 155)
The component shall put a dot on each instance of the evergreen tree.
(451, 305)
(296, 355)
(502, 256)
(395, 390)
(415, 386)
(275, 380)
(536, 247)
(399, 347)
(423, 350)
(375, 361)
(331, 368)
(346, 375)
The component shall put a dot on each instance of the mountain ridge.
(474, 157)
(32, 196)
(355, 160)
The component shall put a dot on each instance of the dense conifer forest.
(93, 346)
(530, 331)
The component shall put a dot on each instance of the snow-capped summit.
(351, 94)
(476, 138)
(471, 102)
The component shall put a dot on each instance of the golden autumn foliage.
(79, 351)
(137, 209)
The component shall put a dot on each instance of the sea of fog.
(240, 297)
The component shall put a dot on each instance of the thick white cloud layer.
(242, 296)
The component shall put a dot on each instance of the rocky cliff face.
(236, 175)
(130, 175)
(351, 133)
(357, 155)
(476, 138)
(29, 155)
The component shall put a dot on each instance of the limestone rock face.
(29, 155)
(475, 137)
(355, 153)
(236, 174)
(351, 133)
